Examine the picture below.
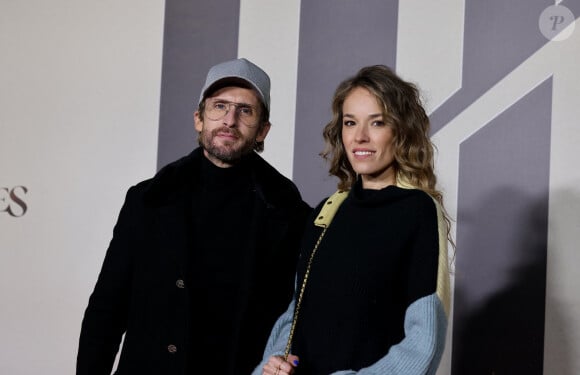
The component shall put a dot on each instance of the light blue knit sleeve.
(419, 353)
(276, 343)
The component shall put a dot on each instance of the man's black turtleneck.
(222, 218)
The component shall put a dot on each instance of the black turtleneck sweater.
(379, 255)
(222, 217)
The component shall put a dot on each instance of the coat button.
(172, 348)
(180, 284)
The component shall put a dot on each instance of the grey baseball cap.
(239, 69)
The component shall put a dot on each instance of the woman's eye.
(348, 123)
(378, 123)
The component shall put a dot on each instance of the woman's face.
(368, 139)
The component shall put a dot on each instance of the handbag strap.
(323, 220)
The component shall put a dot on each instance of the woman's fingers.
(293, 360)
(277, 366)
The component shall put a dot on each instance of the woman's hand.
(278, 366)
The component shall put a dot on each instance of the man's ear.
(263, 132)
(197, 121)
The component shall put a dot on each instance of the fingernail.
(295, 362)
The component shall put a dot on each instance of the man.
(203, 255)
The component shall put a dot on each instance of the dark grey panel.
(502, 227)
(197, 35)
(337, 38)
(499, 35)
(573, 5)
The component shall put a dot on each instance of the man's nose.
(230, 117)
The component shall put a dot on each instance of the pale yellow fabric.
(329, 209)
(443, 282)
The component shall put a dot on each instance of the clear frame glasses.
(218, 109)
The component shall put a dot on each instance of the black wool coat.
(141, 290)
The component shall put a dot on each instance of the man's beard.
(229, 152)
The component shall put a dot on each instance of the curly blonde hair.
(403, 111)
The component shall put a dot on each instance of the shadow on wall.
(500, 285)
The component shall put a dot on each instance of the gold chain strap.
(299, 302)
(323, 220)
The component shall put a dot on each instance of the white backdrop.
(79, 109)
(79, 103)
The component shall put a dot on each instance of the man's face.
(227, 139)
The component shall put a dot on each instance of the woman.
(376, 295)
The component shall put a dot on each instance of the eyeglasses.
(218, 109)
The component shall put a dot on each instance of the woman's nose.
(361, 134)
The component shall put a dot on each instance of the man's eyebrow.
(218, 100)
